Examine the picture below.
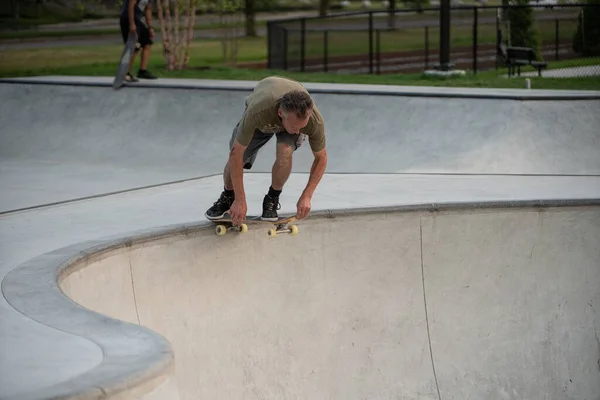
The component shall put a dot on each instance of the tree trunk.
(14, 9)
(250, 18)
(392, 14)
(177, 44)
(323, 7)
(190, 31)
(176, 40)
(163, 14)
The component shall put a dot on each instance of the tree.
(250, 18)
(523, 32)
(392, 14)
(323, 7)
(228, 13)
(177, 19)
(586, 40)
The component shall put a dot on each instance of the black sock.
(274, 193)
(229, 193)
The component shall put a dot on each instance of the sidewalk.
(63, 41)
(113, 23)
(99, 24)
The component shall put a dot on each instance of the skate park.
(452, 250)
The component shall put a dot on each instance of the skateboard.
(281, 225)
(130, 45)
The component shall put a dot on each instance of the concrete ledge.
(331, 88)
(137, 359)
(134, 358)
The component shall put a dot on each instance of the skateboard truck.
(222, 229)
(282, 228)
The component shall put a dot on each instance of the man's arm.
(236, 171)
(316, 173)
(148, 15)
(131, 15)
(239, 206)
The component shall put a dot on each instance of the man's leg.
(143, 72)
(227, 181)
(223, 204)
(145, 43)
(282, 168)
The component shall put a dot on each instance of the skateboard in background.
(130, 46)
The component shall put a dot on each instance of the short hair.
(296, 101)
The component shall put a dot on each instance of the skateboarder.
(278, 107)
(131, 21)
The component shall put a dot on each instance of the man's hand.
(152, 33)
(132, 28)
(303, 207)
(238, 211)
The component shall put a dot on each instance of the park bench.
(516, 57)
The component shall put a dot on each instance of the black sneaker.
(220, 207)
(145, 74)
(270, 207)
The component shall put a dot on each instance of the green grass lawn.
(206, 63)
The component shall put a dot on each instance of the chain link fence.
(554, 40)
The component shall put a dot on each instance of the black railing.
(377, 42)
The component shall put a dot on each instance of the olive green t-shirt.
(261, 113)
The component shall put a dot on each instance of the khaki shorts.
(259, 139)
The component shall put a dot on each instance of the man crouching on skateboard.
(281, 107)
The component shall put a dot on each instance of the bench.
(516, 57)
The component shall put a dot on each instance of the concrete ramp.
(443, 303)
(60, 142)
(184, 132)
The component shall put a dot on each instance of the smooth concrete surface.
(462, 302)
(59, 143)
(36, 356)
(86, 177)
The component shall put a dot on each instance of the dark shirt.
(138, 9)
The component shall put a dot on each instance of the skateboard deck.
(130, 45)
(223, 225)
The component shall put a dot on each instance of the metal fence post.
(285, 49)
(325, 46)
(269, 44)
(370, 42)
(475, 26)
(302, 42)
(378, 50)
(498, 35)
(556, 39)
(426, 47)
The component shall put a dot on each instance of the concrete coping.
(330, 88)
(136, 359)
